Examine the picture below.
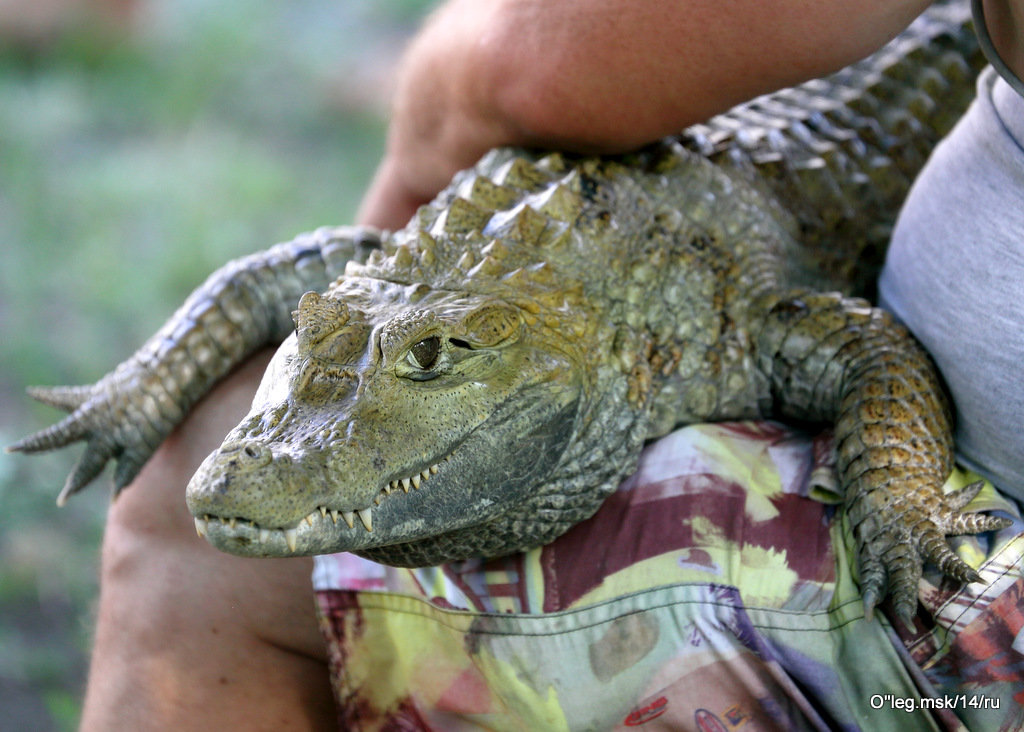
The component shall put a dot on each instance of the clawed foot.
(896, 537)
(118, 418)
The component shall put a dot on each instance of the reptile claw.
(895, 541)
(905, 611)
(97, 416)
(904, 570)
(128, 467)
(935, 549)
(68, 430)
(91, 464)
(976, 523)
(903, 607)
(65, 398)
(870, 601)
(959, 498)
(971, 576)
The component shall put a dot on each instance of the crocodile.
(478, 382)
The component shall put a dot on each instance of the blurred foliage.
(132, 164)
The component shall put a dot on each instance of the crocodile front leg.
(831, 358)
(243, 306)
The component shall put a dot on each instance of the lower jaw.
(222, 531)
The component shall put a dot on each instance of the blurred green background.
(139, 151)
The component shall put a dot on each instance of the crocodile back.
(840, 153)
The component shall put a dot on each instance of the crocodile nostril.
(250, 454)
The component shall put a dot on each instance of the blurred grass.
(131, 166)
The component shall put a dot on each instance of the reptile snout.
(247, 480)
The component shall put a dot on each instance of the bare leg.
(188, 637)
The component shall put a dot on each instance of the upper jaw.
(331, 525)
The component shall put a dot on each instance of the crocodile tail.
(841, 152)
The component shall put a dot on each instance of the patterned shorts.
(715, 590)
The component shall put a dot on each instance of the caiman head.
(406, 424)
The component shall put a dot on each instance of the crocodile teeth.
(350, 518)
(334, 516)
(366, 517)
(264, 536)
(201, 527)
(413, 481)
(323, 511)
(231, 522)
(292, 537)
(309, 519)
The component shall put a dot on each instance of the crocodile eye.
(424, 353)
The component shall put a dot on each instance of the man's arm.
(598, 76)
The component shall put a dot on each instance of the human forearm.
(188, 638)
(590, 75)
